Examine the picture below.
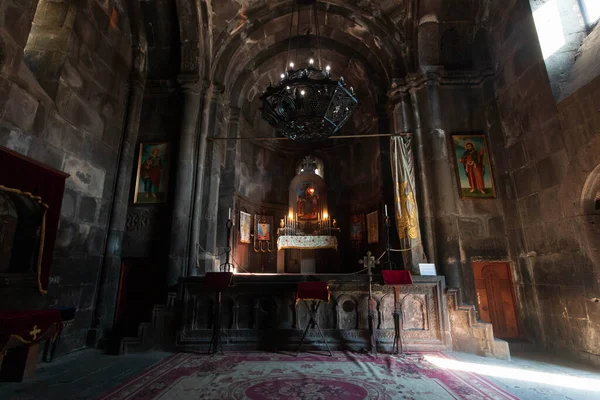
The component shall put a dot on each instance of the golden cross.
(34, 332)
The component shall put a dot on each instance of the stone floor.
(88, 374)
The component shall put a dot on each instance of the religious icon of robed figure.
(307, 201)
(152, 175)
(356, 227)
(473, 167)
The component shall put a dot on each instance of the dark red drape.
(27, 175)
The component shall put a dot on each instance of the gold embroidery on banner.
(408, 221)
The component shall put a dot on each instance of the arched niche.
(307, 197)
(590, 207)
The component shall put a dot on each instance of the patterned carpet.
(308, 377)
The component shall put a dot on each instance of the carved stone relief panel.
(386, 306)
(139, 219)
(414, 313)
(347, 311)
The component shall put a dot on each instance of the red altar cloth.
(396, 277)
(218, 280)
(312, 291)
(28, 326)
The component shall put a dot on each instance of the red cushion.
(313, 291)
(396, 277)
(218, 280)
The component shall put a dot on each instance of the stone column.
(228, 179)
(404, 119)
(436, 170)
(201, 204)
(111, 268)
(183, 197)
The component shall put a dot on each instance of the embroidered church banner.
(373, 227)
(406, 209)
(245, 223)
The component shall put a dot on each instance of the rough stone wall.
(76, 128)
(551, 151)
(148, 225)
(480, 224)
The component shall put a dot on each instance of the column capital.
(215, 91)
(137, 81)
(192, 83)
(234, 114)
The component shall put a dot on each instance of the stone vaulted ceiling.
(242, 48)
(248, 42)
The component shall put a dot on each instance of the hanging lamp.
(307, 104)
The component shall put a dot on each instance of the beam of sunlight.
(549, 28)
(592, 9)
(546, 378)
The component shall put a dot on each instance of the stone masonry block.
(518, 156)
(46, 153)
(69, 203)
(470, 227)
(20, 108)
(574, 301)
(526, 181)
(524, 58)
(62, 134)
(87, 209)
(15, 19)
(82, 115)
(552, 169)
(530, 209)
(85, 177)
(96, 242)
(550, 208)
(15, 140)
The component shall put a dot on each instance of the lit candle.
(386, 210)
(229, 213)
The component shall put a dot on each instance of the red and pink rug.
(264, 376)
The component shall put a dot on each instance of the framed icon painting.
(373, 227)
(473, 168)
(152, 178)
(357, 227)
(245, 224)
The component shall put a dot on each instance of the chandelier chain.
(318, 30)
(287, 57)
(307, 104)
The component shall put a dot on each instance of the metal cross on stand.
(369, 262)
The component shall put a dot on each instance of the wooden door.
(495, 298)
(142, 285)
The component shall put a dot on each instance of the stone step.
(522, 346)
(471, 335)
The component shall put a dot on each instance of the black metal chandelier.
(307, 104)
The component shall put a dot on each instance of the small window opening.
(549, 28)
(591, 11)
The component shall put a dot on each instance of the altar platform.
(260, 312)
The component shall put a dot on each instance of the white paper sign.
(427, 269)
